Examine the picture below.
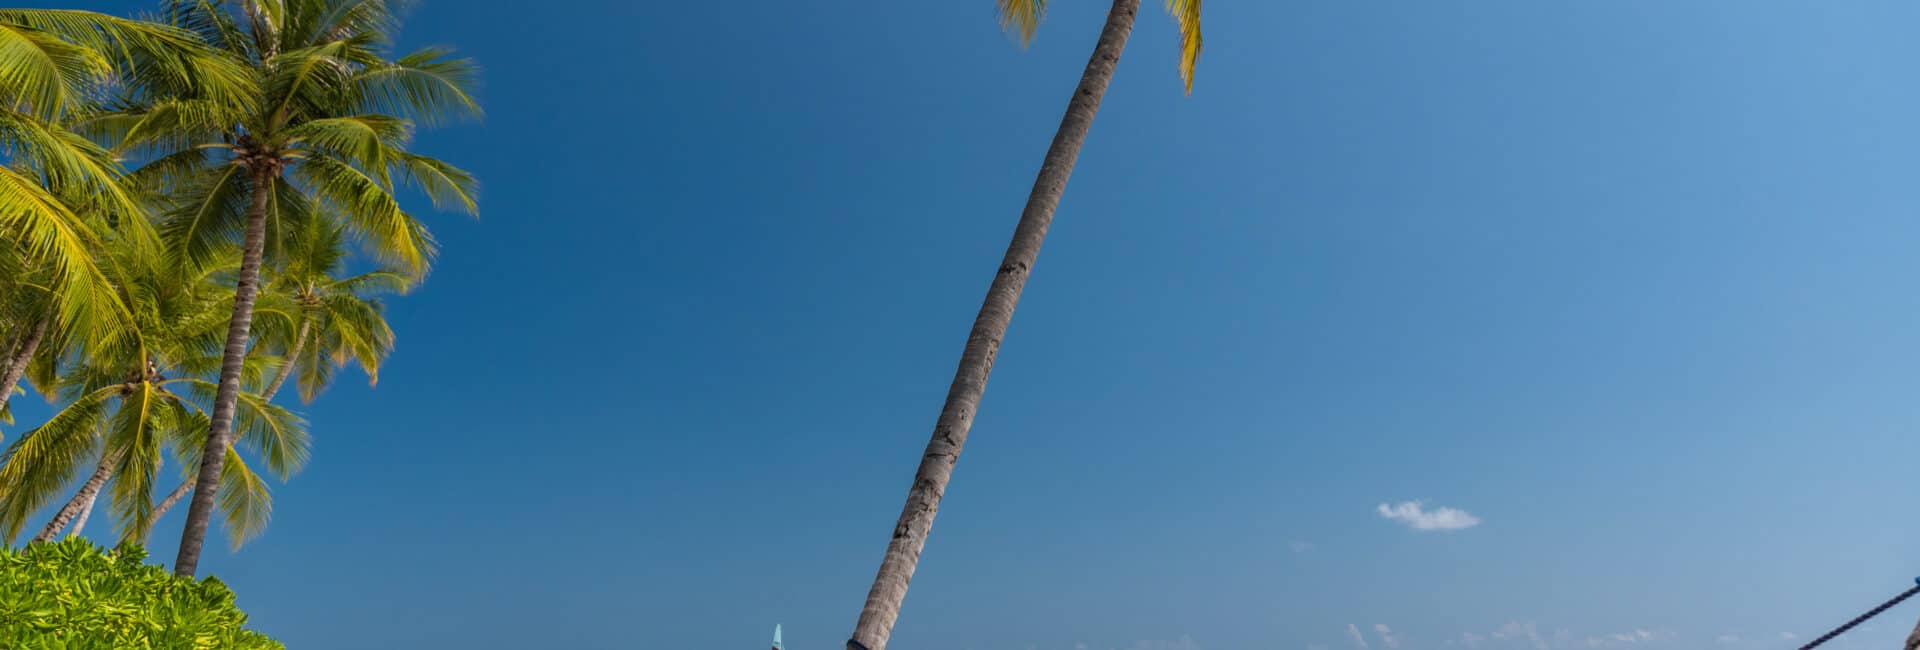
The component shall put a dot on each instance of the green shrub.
(72, 595)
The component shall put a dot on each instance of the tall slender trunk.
(81, 505)
(1913, 640)
(293, 356)
(220, 434)
(22, 355)
(983, 342)
(162, 508)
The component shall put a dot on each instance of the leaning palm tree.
(332, 120)
(990, 326)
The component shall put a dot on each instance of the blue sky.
(1632, 283)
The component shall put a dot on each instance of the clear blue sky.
(1634, 283)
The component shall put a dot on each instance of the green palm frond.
(153, 55)
(45, 229)
(246, 503)
(35, 467)
(134, 432)
(370, 211)
(43, 73)
(430, 86)
(373, 283)
(367, 141)
(207, 216)
(277, 434)
(450, 188)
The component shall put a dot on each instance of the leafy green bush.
(72, 595)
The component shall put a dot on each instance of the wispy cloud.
(1727, 639)
(1386, 635)
(1416, 516)
(1359, 641)
(1300, 547)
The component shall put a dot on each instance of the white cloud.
(1788, 636)
(1415, 515)
(1517, 631)
(1472, 640)
(1386, 635)
(1300, 547)
(1726, 639)
(1358, 640)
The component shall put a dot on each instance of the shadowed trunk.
(81, 505)
(17, 363)
(1913, 640)
(983, 342)
(292, 356)
(220, 433)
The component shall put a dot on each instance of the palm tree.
(332, 119)
(57, 68)
(317, 321)
(127, 411)
(990, 326)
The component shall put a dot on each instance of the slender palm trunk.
(81, 505)
(17, 362)
(86, 512)
(293, 356)
(983, 342)
(1913, 640)
(220, 434)
(162, 508)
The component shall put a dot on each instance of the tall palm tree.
(333, 119)
(990, 326)
(57, 68)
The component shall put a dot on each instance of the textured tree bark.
(81, 505)
(882, 608)
(293, 353)
(17, 363)
(220, 434)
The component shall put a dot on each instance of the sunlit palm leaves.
(1022, 17)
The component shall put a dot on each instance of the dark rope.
(1863, 617)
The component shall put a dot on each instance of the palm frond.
(35, 467)
(1186, 16)
(1022, 17)
(429, 86)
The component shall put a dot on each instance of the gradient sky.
(1633, 283)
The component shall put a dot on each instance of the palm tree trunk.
(983, 342)
(17, 363)
(162, 508)
(293, 355)
(81, 505)
(1913, 640)
(220, 434)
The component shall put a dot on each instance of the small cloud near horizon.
(1416, 516)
